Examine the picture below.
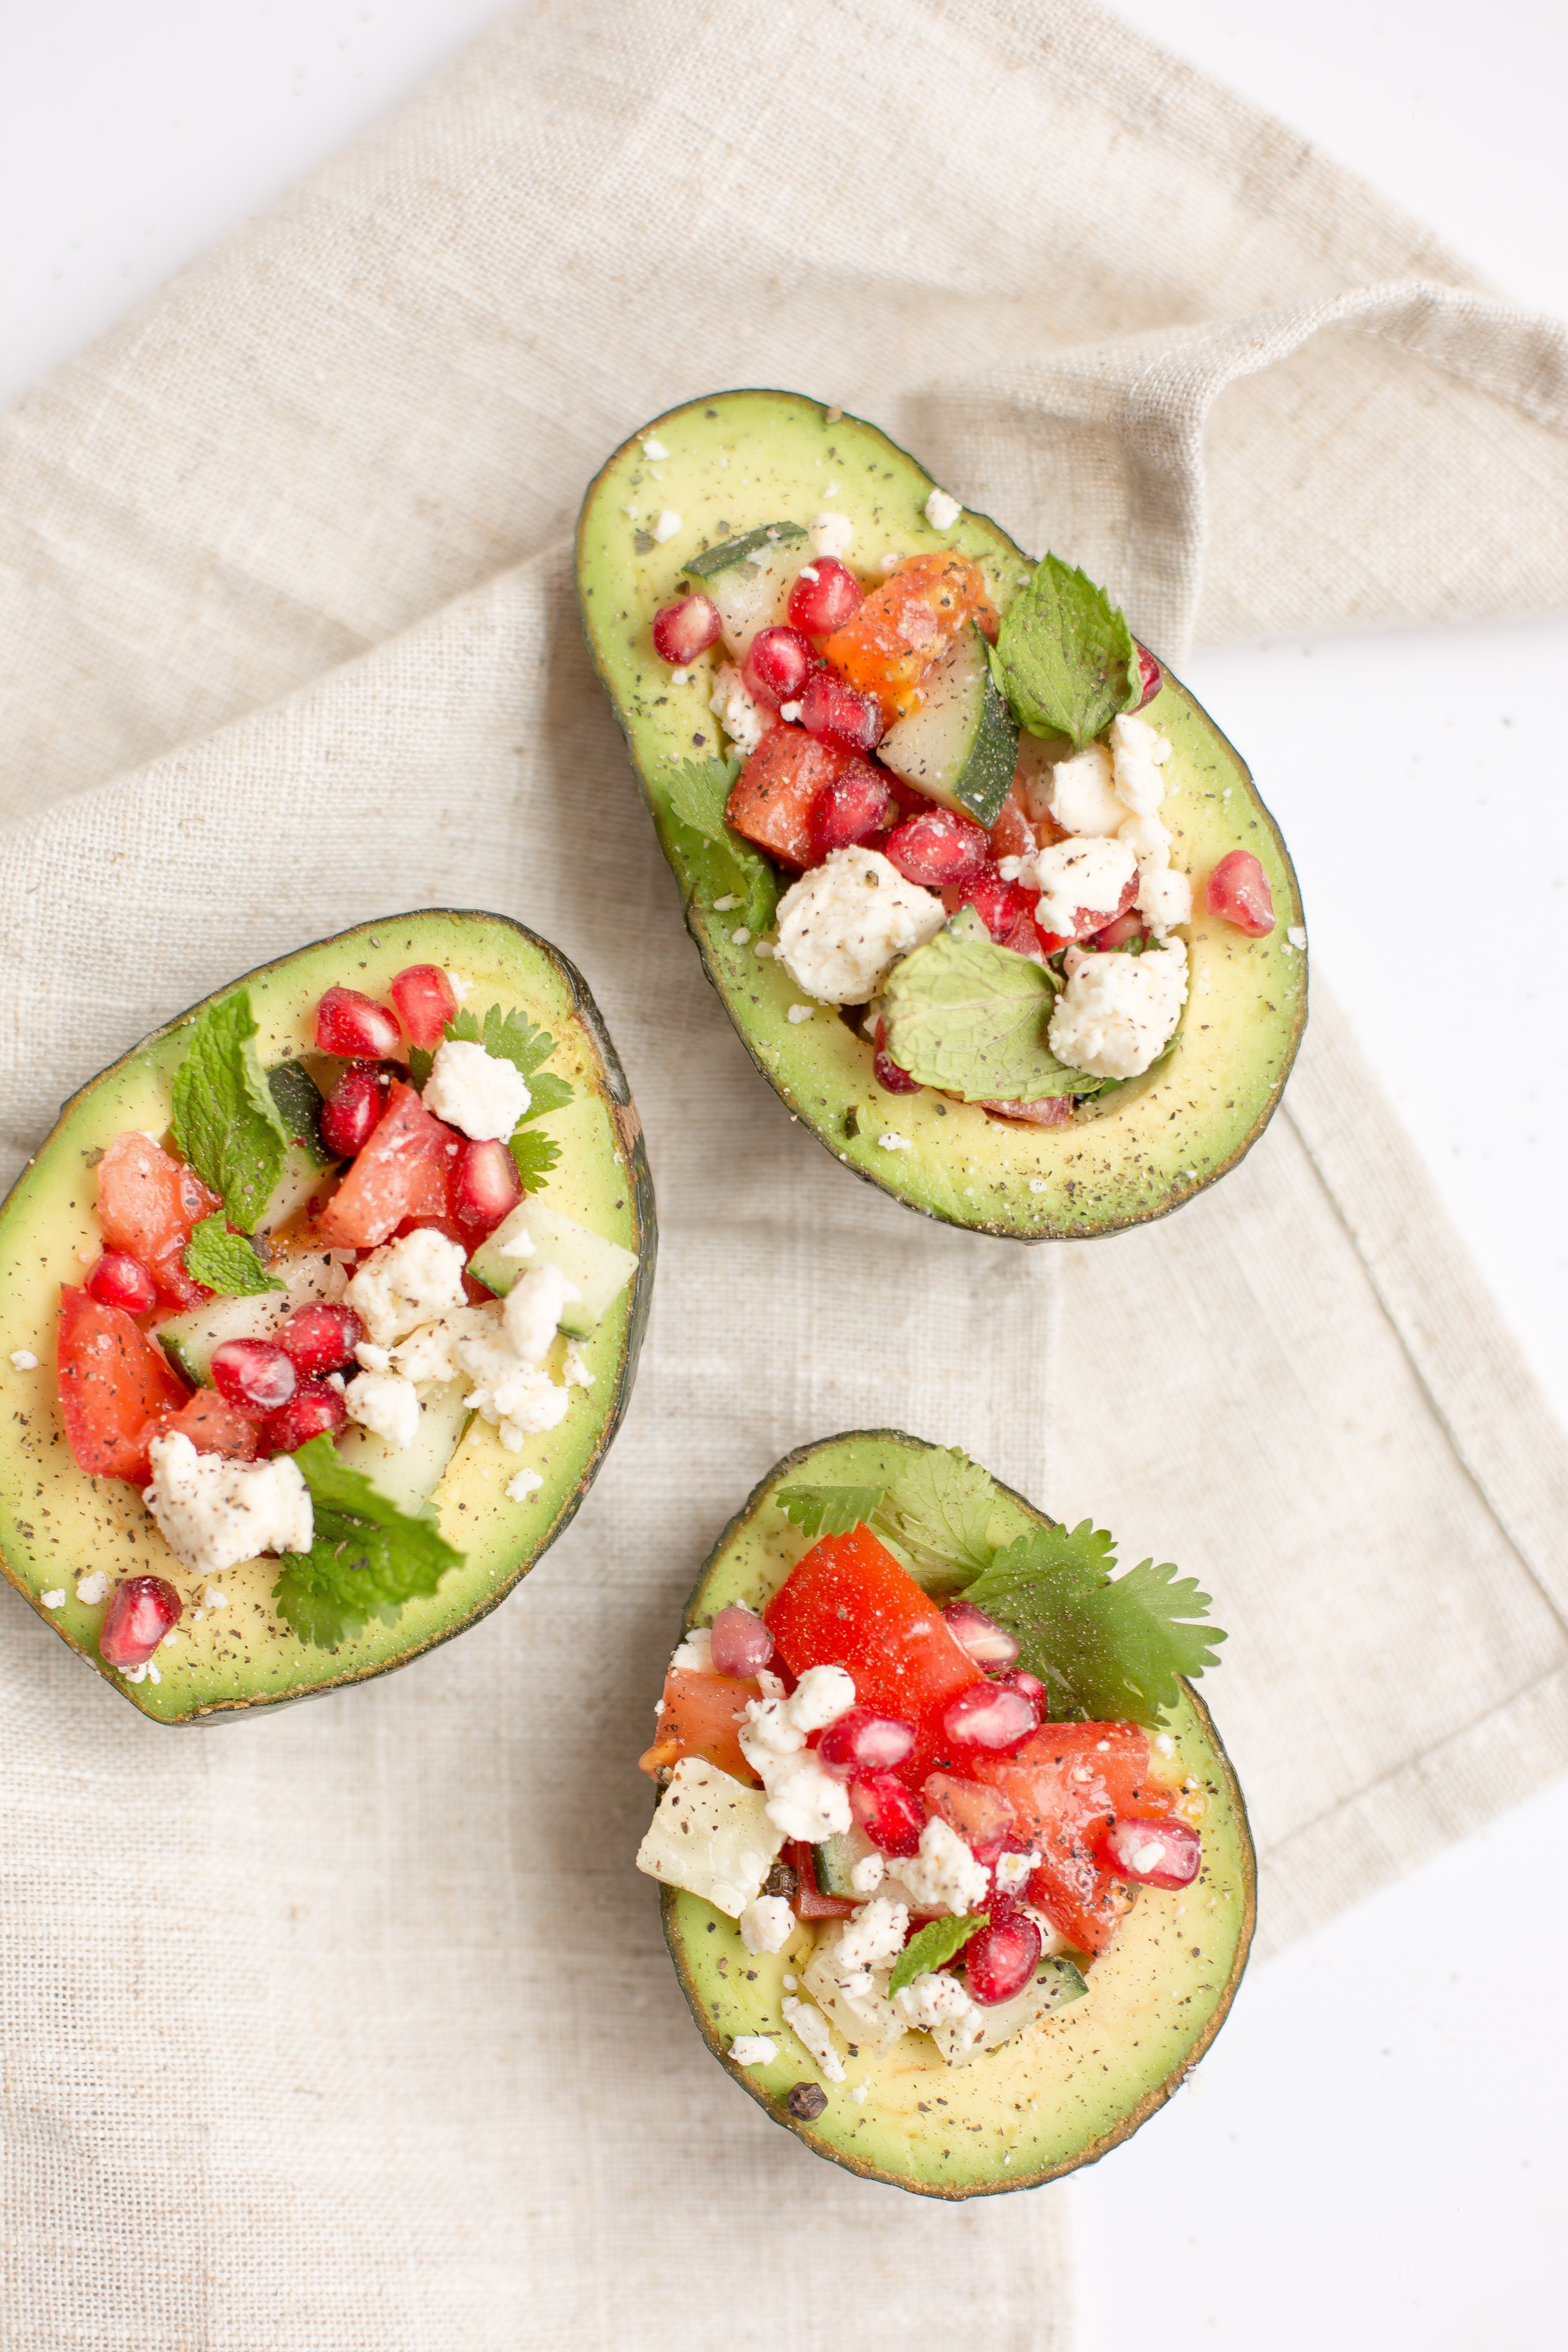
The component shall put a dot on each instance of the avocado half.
(56, 1524)
(742, 458)
(1075, 2083)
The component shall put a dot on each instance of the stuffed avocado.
(322, 1305)
(957, 1875)
(1085, 979)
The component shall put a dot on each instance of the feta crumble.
(54, 1600)
(526, 1482)
(744, 722)
(532, 1313)
(809, 2026)
(24, 1359)
(408, 1283)
(798, 1012)
(94, 1588)
(891, 1142)
(753, 2050)
(387, 1404)
(654, 451)
(214, 1513)
(943, 511)
(695, 1652)
(429, 1353)
(1089, 871)
(831, 534)
(482, 1094)
(667, 526)
(1138, 752)
(843, 926)
(867, 1874)
(1116, 1012)
(1082, 796)
(943, 1875)
(822, 1695)
(1295, 937)
(766, 1924)
(935, 1999)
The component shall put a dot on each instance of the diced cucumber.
(599, 1269)
(1054, 1983)
(189, 1340)
(711, 1835)
(961, 747)
(836, 1858)
(298, 1097)
(409, 1474)
(298, 1177)
(749, 579)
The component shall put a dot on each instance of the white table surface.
(1369, 2156)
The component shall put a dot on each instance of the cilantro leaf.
(226, 1121)
(970, 1017)
(700, 793)
(226, 1262)
(717, 862)
(1065, 656)
(367, 1560)
(933, 1945)
(298, 1101)
(546, 1092)
(940, 1510)
(510, 1037)
(828, 1510)
(1108, 1650)
(534, 1157)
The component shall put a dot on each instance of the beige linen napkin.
(348, 2029)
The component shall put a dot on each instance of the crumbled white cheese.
(214, 1513)
(810, 2027)
(1089, 871)
(526, 1482)
(519, 1399)
(1138, 752)
(893, 1142)
(822, 1695)
(741, 939)
(462, 989)
(860, 2095)
(805, 1800)
(1165, 896)
(213, 1599)
(744, 722)
(408, 1283)
(170, 1640)
(1116, 1012)
(1013, 1869)
(766, 1924)
(1082, 796)
(94, 1588)
(1147, 838)
(372, 1359)
(1052, 1941)
(889, 563)
(831, 534)
(53, 1600)
(387, 1404)
(24, 1359)
(532, 1313)
(943, 511)
(654, 451)
(726, 906)
(1038, 1185)
(843, 926)
(874, 1935)
(790, 712)
(429, 1353)
(695, 1650)
(482, 1094)
(943, 1875)
(937, 1999)
(1163, 1744)
(576, 1373)
(753, 2050)
(798, 1012)
(667, 526)
(711, 1836)
(866, 1874)
(1295, 936)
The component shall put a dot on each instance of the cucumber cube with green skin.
(834, 1861)
(300, 1176)
(749, 579)
(598, 1269)
(710, 1837)
(189, 1340)
(409, 1474)
(1053, 1985)
(961, 747)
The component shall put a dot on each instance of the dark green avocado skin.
(741, 459)
(56, 1523)
(1071, 2087)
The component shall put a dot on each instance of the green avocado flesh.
(1073, 2083)
(742, 459)
(56, 1524)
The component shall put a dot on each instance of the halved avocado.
(1070, 2085)
(739, 460)
(58, 1525)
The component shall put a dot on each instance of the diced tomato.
(809, 1902)
(849, 1603)
(1085, 1901)
(149, 1203)
(1066, 1785)
(771, 801)
(403, 1172)
(113, 1380)
(700, 1716)
(212, 1425)
(1012, 835)
(889, 644)
(982, 1816)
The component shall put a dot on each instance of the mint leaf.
(1065, 656)
(934, 1945)
(226, 1262)
(970, 1017)
(367, 1560)
(717, 863)
(225, 1120)
(534, 1157)
(940, 1511)
(828, 1510)
(298, 1101)
(1108, 1650)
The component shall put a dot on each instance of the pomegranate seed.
(682, 631)
(120, 1280)
(849, 809)
(352, 1112)
(486, 1186)
(982, 1817)
(1151, 677)
(425, 1002)
(863, 1742)
(140, 1611)
(742, 1642)
(824, 597)
(776, 669)
(990, 1714)
(989, 1645)
(1153, 1853)
(1001, 906)
(890, 1075)
(357, 1026)
(1239, 893)
(253, 1374)
(891, 1815)
(1117, 933)
(313, 1411)
(321, 1338)
(1021, 1679)
(839, 713)
(1000, 1961)
(938, 849)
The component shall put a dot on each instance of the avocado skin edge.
(1175, 1193)
(774, 2108)
(614, 1086)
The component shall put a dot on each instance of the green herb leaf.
(700, 793)
(226, 1262)
(368, 1557)
(546, 1092)
(534, 1154)
(970, 1017)
(828, 1510)
(933, 1946)
(420, 1058)
(1065, 656)
(1107, 1650)
(717, 863)
(763, 540)
(938, 1511)
(225, 1120)
(298, 1101)
(510, 1037)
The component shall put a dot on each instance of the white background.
(1370, 2155)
